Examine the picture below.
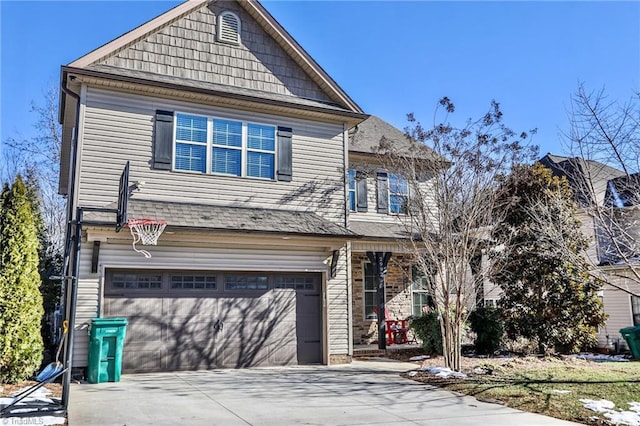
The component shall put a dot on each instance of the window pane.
(227, 133)
(398, 185)
(352, 179)
(370, 305)
(227, 161)
(191, 128)
(191, 157)
(635, 310)
(260, 164)
(261, 137)
(369, 277)
(398, 203)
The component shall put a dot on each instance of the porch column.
(379, 260)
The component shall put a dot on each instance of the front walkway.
(361, 393)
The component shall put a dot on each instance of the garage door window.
(193, 282)
(295, 283)
(246, 282)
(136, 281)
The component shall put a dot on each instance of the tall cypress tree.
(20, 299)
(549, 295)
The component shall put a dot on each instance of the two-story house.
(239, 140)
(609, 209)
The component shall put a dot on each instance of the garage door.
(186, 320)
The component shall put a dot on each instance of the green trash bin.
(632, 336)
(106, 342)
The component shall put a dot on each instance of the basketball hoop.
(145, 232)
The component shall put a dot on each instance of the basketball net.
(145, 232)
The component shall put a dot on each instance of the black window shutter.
(361, 191)
(383, 192)
(284, 154)
(163, 140)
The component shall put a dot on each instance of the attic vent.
(229, 27)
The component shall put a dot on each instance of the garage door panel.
(143, 329)
(129, 306)
(284, 354)
(250, 308)
(187, 329)
(189, 306)
(138, 359)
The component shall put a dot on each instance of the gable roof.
(258, 13)
(579, 172)
(366, 137)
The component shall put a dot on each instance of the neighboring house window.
(398, 194)
(421, 299)
(370, 292)
(235, 148)
(229, 27)
(635, 309)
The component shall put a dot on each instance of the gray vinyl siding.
(119, 127)
(372, 215)
(187, 48)
(285, 259)
(338, 308)
(617, 305)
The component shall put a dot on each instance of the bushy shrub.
(20, 299)
(488, 326)
(427, 328)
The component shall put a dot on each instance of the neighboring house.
(239, 140)
(609, 208)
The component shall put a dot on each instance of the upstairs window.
(398, 194)
(222, 146)
(357, 191)
(229, 27)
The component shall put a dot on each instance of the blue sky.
(391, 57)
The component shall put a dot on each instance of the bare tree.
(452, 173)
(39, 158)
(604, 141)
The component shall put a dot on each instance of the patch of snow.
(419, 358)
(40, 395)
(412, 373)
(617, 417)
(444, 372)
(561, 391)
(599, 357)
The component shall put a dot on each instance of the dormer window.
(229, 27)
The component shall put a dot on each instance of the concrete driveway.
(361, 393)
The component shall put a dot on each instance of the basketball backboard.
(123, 198)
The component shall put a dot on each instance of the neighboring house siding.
(617, 305)
(187, 48)
(285, 259)
(119, 127)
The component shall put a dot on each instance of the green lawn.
(535, 385)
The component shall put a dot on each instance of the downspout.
(70, 277)
(347, 252)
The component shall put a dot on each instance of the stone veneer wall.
(398, 293)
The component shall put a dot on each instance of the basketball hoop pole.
(71, 280)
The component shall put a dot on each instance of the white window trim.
(209, 146)
(365, 291)
(389, 194)
(354, 190)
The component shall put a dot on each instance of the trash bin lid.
(109, 322)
